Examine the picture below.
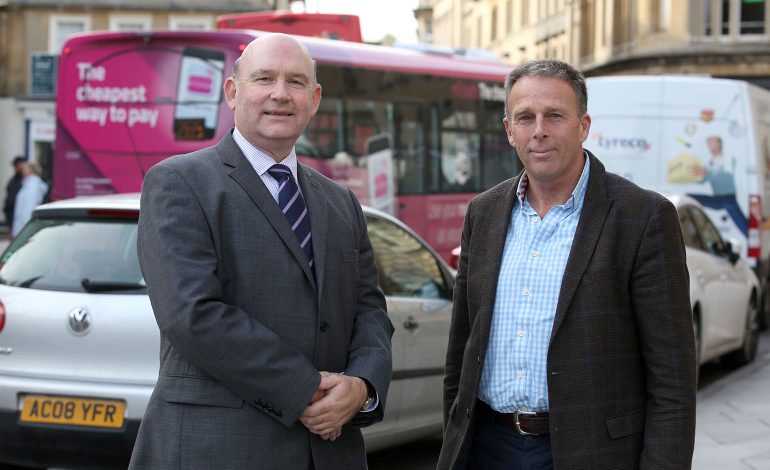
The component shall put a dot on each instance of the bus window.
(493, 115)
(459, 118)
(365, 119)
(460, 162)
(199, 93)
(500, 160)
(323, 135)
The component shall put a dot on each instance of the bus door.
(411, 121)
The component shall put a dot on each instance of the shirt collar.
(259, 159)
(578, 193)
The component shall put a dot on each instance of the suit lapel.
(243, 174)
(316, 206)
(594, 213)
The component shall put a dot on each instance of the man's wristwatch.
(371, 395)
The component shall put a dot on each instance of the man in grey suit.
(275, 342)
(571, 344)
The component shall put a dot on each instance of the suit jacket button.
(467, 412)
(324, 326)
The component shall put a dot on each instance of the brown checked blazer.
(621, 361)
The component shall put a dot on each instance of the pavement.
(733, 419)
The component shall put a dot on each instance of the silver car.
(79, 343)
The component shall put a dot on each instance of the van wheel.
(748, 350)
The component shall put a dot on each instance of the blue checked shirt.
(514, 375)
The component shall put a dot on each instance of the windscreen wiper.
(104, 286)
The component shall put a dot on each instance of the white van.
(705, 137)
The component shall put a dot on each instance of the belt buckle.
(516, 415)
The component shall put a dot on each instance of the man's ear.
(230, 90)
(316, 97)
(585, 126)
(509, 131)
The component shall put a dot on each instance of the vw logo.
(79, 320)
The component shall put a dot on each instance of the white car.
(724, 290)
(79, 343)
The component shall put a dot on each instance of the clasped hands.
(338, 398)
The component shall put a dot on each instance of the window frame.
(115, 20)
(54, 23)
(205, 21)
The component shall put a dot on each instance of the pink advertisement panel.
(123, 107)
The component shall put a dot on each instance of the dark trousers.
(498, 447)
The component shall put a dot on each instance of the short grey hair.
(550, 68)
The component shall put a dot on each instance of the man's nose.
(540, 128)
(280, 90)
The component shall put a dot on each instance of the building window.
(61, 27)
(198, 23)
(509, 17)
(725, 17)
(480, 28)
(706, 5)
(130, 22)
(524, 12)
(494, 23)
(753, 16)
(664, 14)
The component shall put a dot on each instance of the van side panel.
(706, 137)
(656, 131)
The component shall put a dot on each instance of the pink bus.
(412, 133)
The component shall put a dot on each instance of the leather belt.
(525, 422)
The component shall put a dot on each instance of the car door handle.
(410, 323)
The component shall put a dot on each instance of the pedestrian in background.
(31, 194)
(11, 189)
(571, 345)
(275, 342)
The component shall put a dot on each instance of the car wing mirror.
(734, 249)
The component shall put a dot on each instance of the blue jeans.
(498, 447)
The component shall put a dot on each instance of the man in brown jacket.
(571, 344)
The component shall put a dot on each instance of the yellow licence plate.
(92, 412)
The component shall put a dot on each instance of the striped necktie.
(293, 206)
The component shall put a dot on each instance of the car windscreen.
(74, 255)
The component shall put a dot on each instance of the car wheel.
(748, 350)
(764, 314)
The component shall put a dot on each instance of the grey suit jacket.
(245, 325)
(621, 361)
